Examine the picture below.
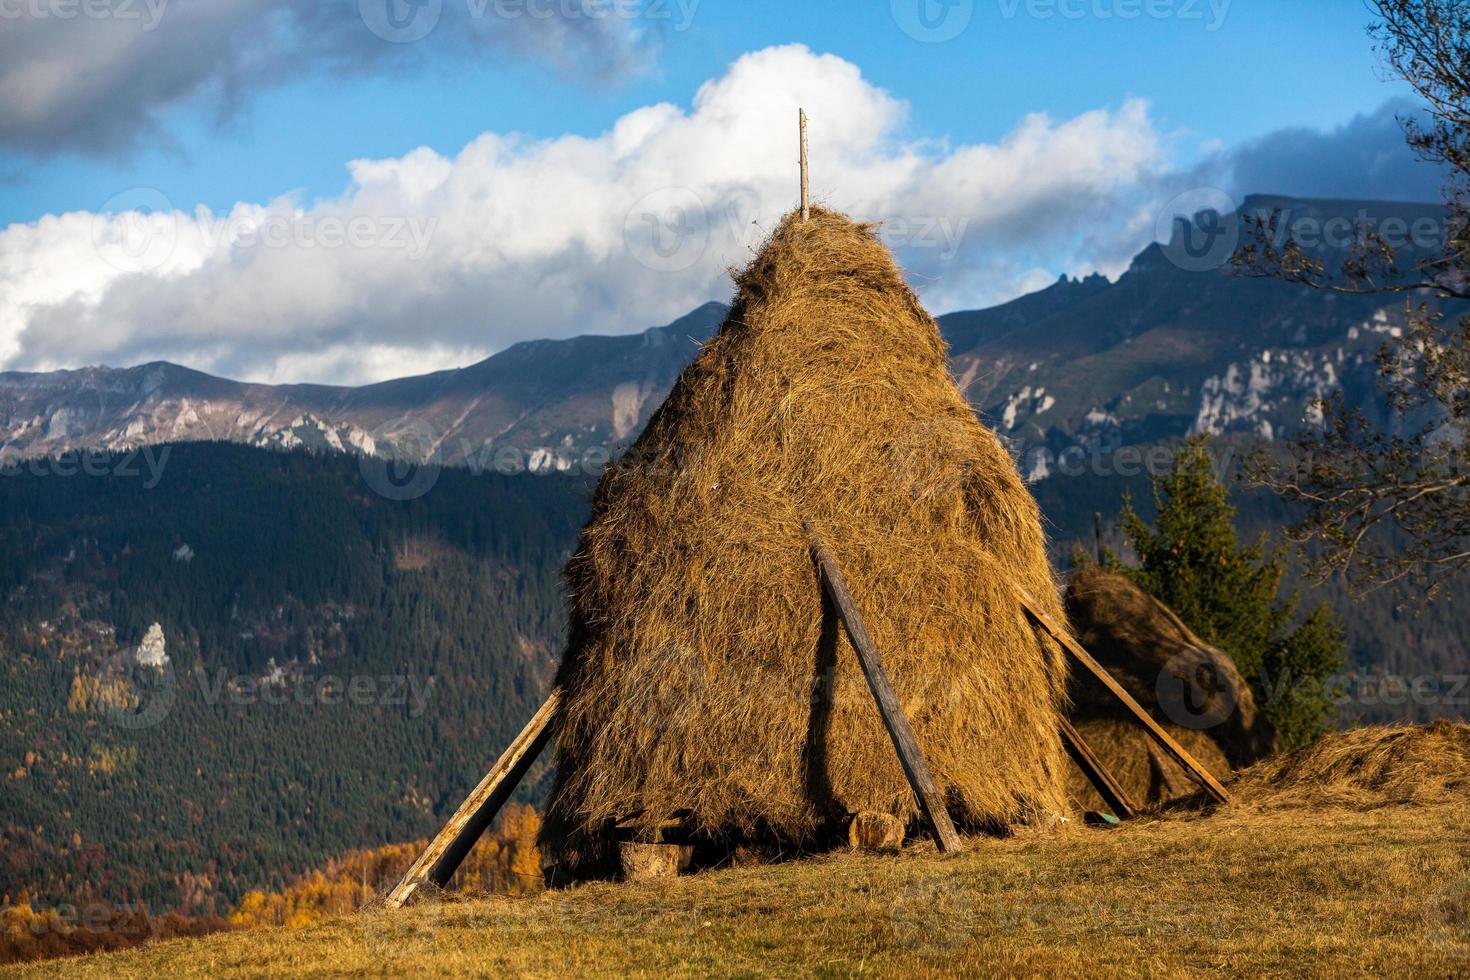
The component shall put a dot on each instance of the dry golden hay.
(1145, 772)
(702, 672)
(1191, 688)
(1364, 768)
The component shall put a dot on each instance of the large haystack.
(1363, 768)
(1209, 710)
(702, 672)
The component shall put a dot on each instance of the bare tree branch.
(1388, 504)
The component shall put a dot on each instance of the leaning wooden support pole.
(1097, 773)
(931, 804)
(1164, 739)
(447, 851)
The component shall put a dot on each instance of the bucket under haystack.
(705, 674)
(1191, 688)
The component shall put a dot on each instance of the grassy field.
(1298, 892)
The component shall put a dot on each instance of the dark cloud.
(93, 76)
(1365, 158)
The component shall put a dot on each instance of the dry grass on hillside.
(1337, 892)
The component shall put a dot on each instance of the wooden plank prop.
(446, 852)
(1164, 739)
(931, 804)
(1092, 767)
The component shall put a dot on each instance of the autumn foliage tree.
(506, 861)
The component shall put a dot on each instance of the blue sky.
(1230, 73)
(236, 104)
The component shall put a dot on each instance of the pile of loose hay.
(702, 672)
(1364, 768)
(1192, 689)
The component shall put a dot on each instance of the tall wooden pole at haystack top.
(806, 211)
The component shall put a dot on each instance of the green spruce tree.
(1230, 594)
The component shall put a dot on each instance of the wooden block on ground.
(871, 831)
(652, 862)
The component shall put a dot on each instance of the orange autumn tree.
(504, 862)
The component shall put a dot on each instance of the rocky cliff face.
(1166, 351)
(103, 408)
(542, 404)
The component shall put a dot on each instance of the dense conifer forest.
(342, 665)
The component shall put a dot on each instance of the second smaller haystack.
(1194, 690)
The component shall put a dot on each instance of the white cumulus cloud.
(427, 261)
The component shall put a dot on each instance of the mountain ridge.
(1087, 362)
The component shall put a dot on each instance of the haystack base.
(1097, 772)
(1153, 729)
(871, 831)
(653, 862)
